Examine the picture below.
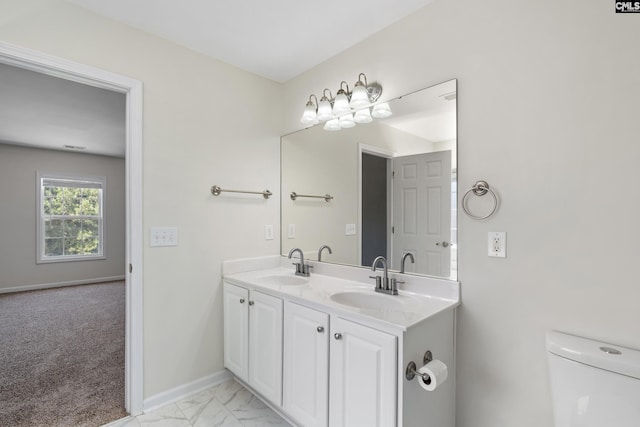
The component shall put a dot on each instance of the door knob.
(251, 302)
(337, 336)
(320, 329)
(444, 244)
(241, 300)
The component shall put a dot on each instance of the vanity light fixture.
(381, 111)
(309, 115)
(325, 108)
(341, 102)
(347, 108)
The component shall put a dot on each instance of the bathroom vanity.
(326, 350)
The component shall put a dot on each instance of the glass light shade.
(381, 111)
(359, 97)
(309, 115)
(333, 124)
(346, 121)
(324, 110)
(341, 104)
(363, 116)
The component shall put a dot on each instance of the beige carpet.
(62, 356)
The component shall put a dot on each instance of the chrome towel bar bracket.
(215, 190)
(480, 188)
(326, 197)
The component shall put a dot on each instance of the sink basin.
(369, 300)
(283, 280)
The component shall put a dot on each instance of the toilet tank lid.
(595, 353)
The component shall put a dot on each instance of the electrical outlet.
(268, 232)
(292, 231)
(350, 230)
(497, 244)
(163, 236)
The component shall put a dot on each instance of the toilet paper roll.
(437, 372)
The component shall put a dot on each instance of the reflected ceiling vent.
(74, 147)
(451, 96)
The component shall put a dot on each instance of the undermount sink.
(368, 300)
(283, 280)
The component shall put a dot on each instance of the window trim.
(40, 237)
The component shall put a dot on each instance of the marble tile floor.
(227, 404)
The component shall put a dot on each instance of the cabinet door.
(363, 389)
(265, 346)
(236, 330)
(306, 365)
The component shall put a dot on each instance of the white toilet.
(593, 384)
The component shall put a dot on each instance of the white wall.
(318, 162)
(547, 109)
(205, 123)
(18, 217)
(547, 112)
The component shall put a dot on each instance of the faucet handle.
(306, 267)
(378, 281)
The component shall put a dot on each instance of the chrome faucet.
(302, 268)
(321, 249)
(404, 258)
(382, 283)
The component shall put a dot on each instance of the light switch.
(350, 229)
(163, 236)
(292, 231)
(268, 232)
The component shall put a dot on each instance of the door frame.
(389, 155)
(80, 73)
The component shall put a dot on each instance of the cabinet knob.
(241, 300)
(337, 336)
(320, 329)
(251, 302)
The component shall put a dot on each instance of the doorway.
(53, 66)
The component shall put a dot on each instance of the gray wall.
(18, 216)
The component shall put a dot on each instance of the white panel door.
(306, 365)
(265, 345)
(362, 377)
(236, 330)
(422, 212)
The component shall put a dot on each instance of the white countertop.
(419, 298)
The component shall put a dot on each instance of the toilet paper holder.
(412, 369)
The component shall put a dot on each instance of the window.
(70, 217)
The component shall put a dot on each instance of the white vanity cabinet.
(253, 324)
(306, 365)
(356, 362)
(326, 351)
(363, 375)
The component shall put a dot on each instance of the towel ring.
(480, 188)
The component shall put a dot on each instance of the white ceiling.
(38, 110)
(276, 39)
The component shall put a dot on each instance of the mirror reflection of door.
(374, 208)
(422, 213)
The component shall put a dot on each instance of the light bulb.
(333, 124)
(341, 104)
(346, 121)
(363, 116)
(324, 110)
(381, 111)
(309, 115)
(359, 96)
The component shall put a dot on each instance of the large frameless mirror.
(387, 187)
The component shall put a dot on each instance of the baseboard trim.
(185, 390)
(60, 284)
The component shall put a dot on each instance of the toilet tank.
(593, 384)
